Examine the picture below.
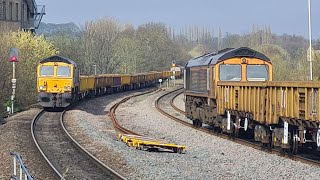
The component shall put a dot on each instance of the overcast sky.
(234, 16)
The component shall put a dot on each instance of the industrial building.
(21, 14)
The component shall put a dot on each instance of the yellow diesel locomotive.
(233, 91)
(60, 84)
(203, 73)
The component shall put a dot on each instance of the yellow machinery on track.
(143, 142)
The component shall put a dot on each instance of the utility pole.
(14, 81)
(13, 59)
(173, 67)
(310, 45)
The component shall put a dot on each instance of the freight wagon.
(60, 84)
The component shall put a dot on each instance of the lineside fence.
(22, 168)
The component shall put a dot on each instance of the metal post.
(95, 69)
(13, 85)
(20, 172)
(14, 166)
(23, 170)
(160, 81)
(310, 47)
(174, 77)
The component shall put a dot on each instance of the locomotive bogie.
(262, 133)
(54, 99)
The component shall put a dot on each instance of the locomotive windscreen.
(257, 72)
(46, 71)
(63, 71)
(230, 72)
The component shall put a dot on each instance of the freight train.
(233, 91)
(60, 84)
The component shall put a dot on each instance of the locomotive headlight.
(68, 88)
(41, 87)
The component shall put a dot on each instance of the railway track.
(309, 159)
(136, 140)
(172, 103)
(67, 158)
(112, 114)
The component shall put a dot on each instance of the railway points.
(136, 140)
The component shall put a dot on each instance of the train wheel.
(318, 138)
(175, 149)
(199, 124)
(272, 140)
(295, 143)
(236, 132)
(294, 146)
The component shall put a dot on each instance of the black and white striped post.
(13, 58)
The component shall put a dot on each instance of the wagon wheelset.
(197, 123)
(295, 142)
(177, 150)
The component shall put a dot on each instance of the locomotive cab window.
(230, 72)
(257, 72)
(46, 71)
(63, 71)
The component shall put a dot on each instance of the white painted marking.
(245, 124)
(228, 118)
(318, 138)
(285, 133)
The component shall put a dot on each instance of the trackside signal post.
(13, 59)
(174, 72)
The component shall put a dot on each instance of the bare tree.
(98, 39)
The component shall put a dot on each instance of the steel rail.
(112, 114)
(33, 125)
(228, 137)
(175, 107)
(92, 158)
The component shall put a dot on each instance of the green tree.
(31, 50)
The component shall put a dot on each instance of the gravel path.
(15, 136)
(207, 156)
